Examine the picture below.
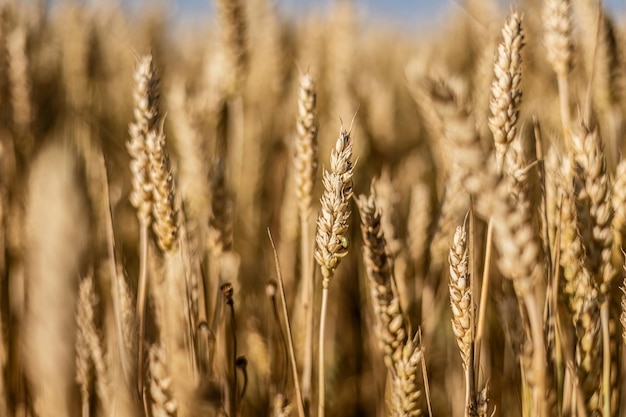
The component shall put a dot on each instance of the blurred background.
(407, 12)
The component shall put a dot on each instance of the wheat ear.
(390, 326)
(163, 211)
(146, 111)
(406, 392)
(557, 23)
(462, 304)
(513, 234)
(57, 237)
(506, 93)
(331, 239)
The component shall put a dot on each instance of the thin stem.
(283, 340)
(292, 354)
(110, 236)
(538, 357)
(563, 85)
(141, 299)
(606, 359)
(307, 280)
(484, 294)
(321, 382)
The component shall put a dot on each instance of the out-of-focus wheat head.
(57, 227)
(506, 93)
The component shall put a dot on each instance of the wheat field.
(313, 215)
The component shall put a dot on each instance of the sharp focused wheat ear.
(461, 294)
(332, 224)
(506, 93)
(332, 227)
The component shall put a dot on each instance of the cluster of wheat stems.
(180, 212)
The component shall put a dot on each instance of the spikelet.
(332, 224)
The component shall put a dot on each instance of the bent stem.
(292, 354)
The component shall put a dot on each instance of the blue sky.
(388, 8)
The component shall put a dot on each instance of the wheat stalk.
(332, 227)
(305, 162)
(146, 97)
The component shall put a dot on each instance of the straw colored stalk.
(57, 227)
(557, 24)
(506, 93)
(305, 161)
(618, 193)
(420, 209)
(332, 227)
